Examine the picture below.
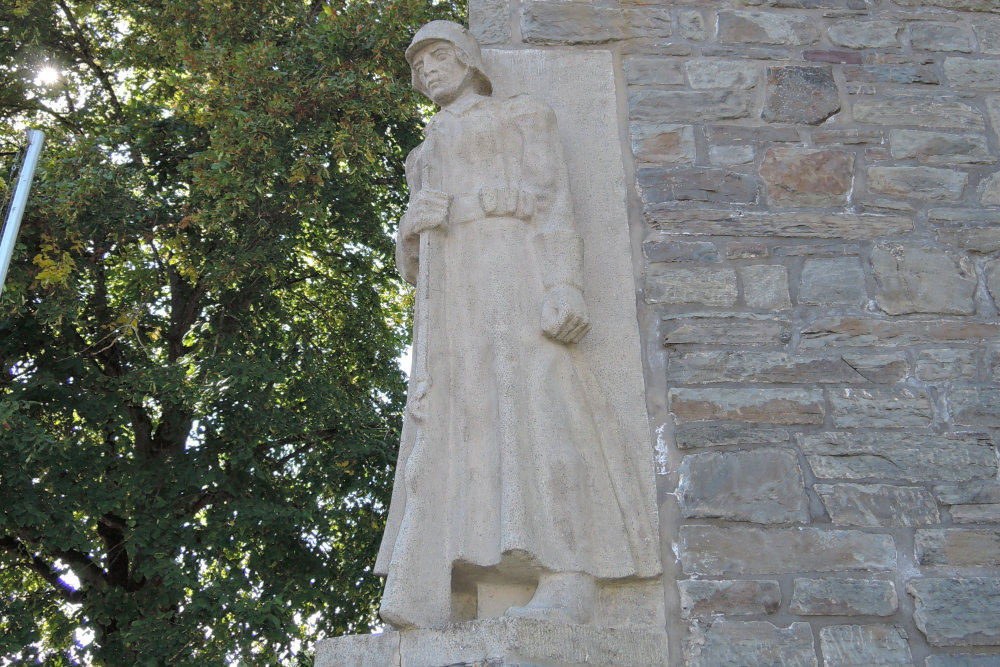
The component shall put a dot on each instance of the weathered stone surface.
(763, 134)
(973, 73)
(651, 70)
(489, 21)
(848, 226)
(946, 364)
(752, 644)
(800, 95)
(993, 112)
(496, 642)
(863, 331)
(832, 57)
(761, 486)
(976, 513)
(922, 279)
(731, 155)
(880, 408)
(989, 190)
(711, 287)
(992, 271)
(689, 436)
(710, 184)
(958, 547)
(746, 250)
(570, 23)
(835, 280)
(939, 148)
(818, 250)
(765, 286)
(648, 22)
(865, 34)
(691, 25)
(849, 137)
(705, 73)
(977, 501)
(736, 331)
(919, 111)
(908, 73)
(835, 596)
(689, 106)
(706, 598)
(918, 182)
(878, 505)
(769, 406)
(980, 240)
(744, 366)
(746, 551)
(663, 143)
(905, 457)
(988, 31)
(957, 611)
(869, 645)
(962, 660)
(942, 37)
(672, 250)
(800, 177)
(966, 5)
(975, 407)
(766, 28)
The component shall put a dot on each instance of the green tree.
(199, 402)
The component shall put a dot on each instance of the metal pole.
(13, 224)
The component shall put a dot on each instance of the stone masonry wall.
(815, 212)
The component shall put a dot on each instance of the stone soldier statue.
(512, 469)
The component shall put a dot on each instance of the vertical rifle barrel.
(35, 140)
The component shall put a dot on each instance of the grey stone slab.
(754, 27)
(980, 240)
(854, 34)
(992, 274)
(838, 596)
(691, 24)
(987, 30)
(802, 224)
(838, 280)
(796, 94)
(880, 408)
(652, 70)
(989, 190)
(940, 148)
(708, 598)
(704, 73)
(489, 21)
(752, 644)
(957, 611)
(913, 278)
(958, 547)
(674, 106)
(918, 111)
(663, 143)
(748, 551)
(704, 184)
(761, 486)
(963, 660)
(765, 286)
(920, 74)
(747, 250)
(689, 436)
(945, 364)
(848, 137)
(765, 367)
(381, 650)
(993, 112)
(672, 250)
(968, 493)
(906, 457)
(648, 22)
(723, 331)
(696, 285)
(878, 505)
(769, 406)
(964, 514)
(927, 183)
(802, 177)
(731, 155)
(868, 645)
(963, 5)
(975, 407)
(942, 37)
(570, 23)
(868, 331)
(973, 73)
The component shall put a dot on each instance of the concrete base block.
(496, 642)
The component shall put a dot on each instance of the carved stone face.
(442, 72)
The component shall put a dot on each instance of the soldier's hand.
(428, 209)
(564, 314)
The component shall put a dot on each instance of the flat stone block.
(869, 645)
(914, 278)
(705, 74)
(570, 23)
(708, 184)
(652, 70)
(929, 183)
(489, 21)
(497, 642)
(880, 408)
(770, 406)
(745, 551)
(988, 31)
(800, 177)
(976, 407)
(673, 106)
(761, 486)
(663, 143)
(958, 547)
(863, 331)
(963, 5)
(752, 644)
(672, 250)
(944, 364)
(835, 596)
(957, 611)
(923, 74)
(980, 240)
(721, 331)
(766, 367)
(973, 73)
(689, 436)
(865, 34)
(909, 457)
(801, 224)
(710, 287)
(839, 280)
(919, 111)
(707, 598)
(941, 37)
(800, 94)
(963, 660)
(755, 27)
(878, 505)
(940, 148)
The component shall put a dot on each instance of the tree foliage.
(200, 400)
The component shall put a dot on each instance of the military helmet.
(465, 45)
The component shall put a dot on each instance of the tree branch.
(42, 568)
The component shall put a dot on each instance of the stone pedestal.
(495, 642)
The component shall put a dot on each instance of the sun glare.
(47, 76)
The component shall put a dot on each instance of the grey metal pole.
(13, 224)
